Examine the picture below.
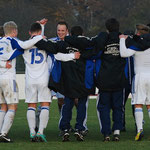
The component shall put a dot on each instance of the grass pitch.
(19, 133)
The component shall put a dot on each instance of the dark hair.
(112, 25)
(62, 23)
(35, 27)
(1, 31)
(76, 30)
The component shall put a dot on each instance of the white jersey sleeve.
(42, 26)
(124, 51)
(64, 57)
(29, 43)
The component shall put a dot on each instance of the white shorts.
(37, 92)
(141, 89)
(8, 91)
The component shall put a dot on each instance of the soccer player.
(8, 85)
(141, 82)
(36, 88)
(62, 31)
(111, 81)
(73, 85)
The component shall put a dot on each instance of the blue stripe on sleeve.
(134, 48)
(14, 44)
(16, 53)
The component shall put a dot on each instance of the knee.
(32, 105)
(12, 107)
(4, 107)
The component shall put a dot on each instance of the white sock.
(8, 120)
(139, 118)
(44, 117)
(31, 119)
(2, 115)
(117, 132)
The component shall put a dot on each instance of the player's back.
(36, 63)
(142, 61)
(6, 48)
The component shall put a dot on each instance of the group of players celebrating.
(74, 65)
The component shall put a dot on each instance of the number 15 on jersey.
(36, 56)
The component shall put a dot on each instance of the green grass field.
(93, 141)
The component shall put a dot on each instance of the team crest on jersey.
(112, 49)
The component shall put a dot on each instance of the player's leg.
(117, 104)
(44, 97)
(3, 107)
(103, 112)
(43, 120)
(148, 108)
(81, 118)
(31, 100)
(126, 93)
(3, 110)
(10, 92)
(65, 118)
(148, 98)
(31, 120)
(8, 120)
(139, 99)
(139, 121)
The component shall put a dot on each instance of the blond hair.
(9, 27)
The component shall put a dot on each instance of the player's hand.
(43, 21)
(77, 55)
(123, 36)
(8, 64)
(44, 37)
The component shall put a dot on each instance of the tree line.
(90, 14)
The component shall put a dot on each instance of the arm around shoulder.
(47, 45)
(29, 43)
(124, 51)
